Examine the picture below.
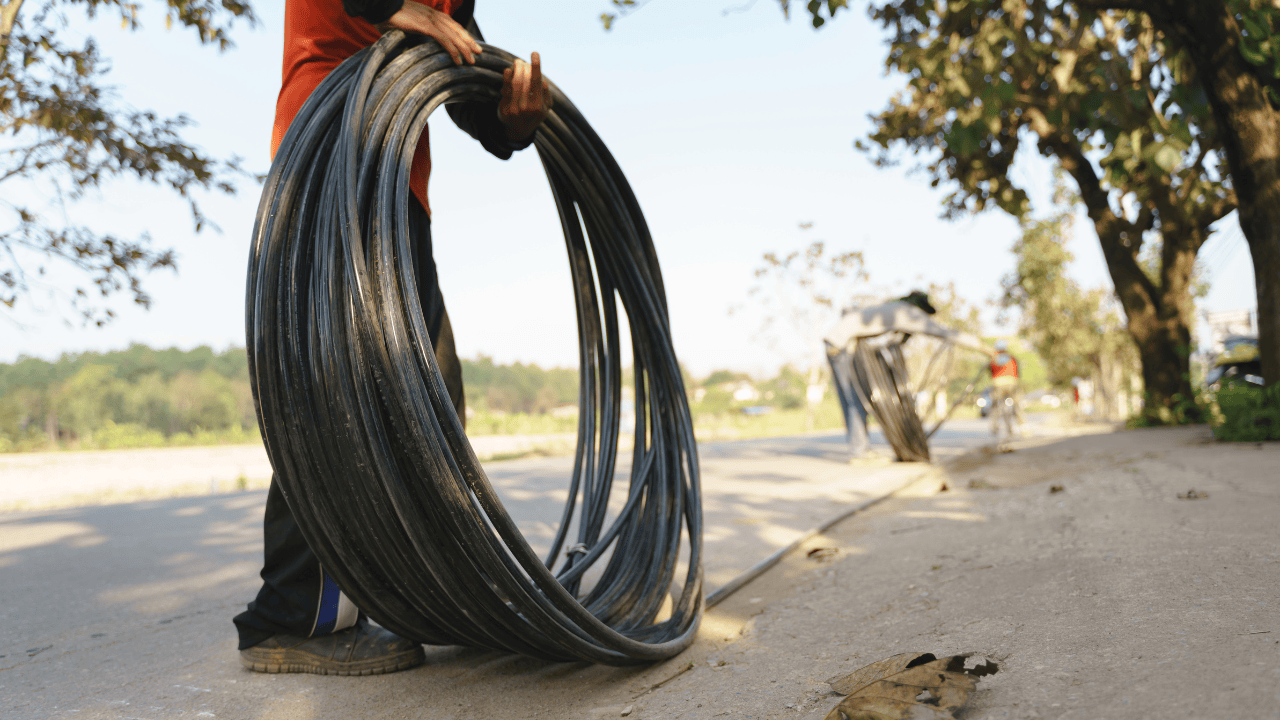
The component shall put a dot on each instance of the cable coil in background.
(359, 426)
(880, 375)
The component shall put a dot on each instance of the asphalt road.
(123, 611)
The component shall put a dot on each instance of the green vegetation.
(138, 397)
(141, 397)
(1246, 413)
(491, 423)
(728, 425)
(517, 388)
(1078, 331)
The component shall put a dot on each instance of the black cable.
(880, 373)
(359, 426)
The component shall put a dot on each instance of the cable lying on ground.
(359, 426)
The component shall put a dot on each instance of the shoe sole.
(276, 662)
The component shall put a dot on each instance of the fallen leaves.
(1192, 495)
(1054, 489)
(910, 686)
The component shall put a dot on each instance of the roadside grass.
(720, 424)
(738, 425)
(133, 436)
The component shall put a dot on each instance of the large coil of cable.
(881, 377)
(360, 429)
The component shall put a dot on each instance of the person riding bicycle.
(1006, 390)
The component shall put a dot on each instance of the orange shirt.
(318, 36)
(1009, 369)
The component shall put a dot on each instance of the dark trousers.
(855, 414)
(297, 597)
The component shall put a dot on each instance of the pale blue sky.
(732, 128)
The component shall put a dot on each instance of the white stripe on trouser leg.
(348, 613)
(334, 610)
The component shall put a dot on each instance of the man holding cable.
(300, 620)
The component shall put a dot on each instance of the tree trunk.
(1101, 402)
(1166, 371)
(1266, 270)
(1158, 316)
(1108, 384)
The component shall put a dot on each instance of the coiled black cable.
(880, 374)
(360, 429)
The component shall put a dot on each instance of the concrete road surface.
(123, 611)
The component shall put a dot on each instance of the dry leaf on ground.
(910, 686)
(1192, 495)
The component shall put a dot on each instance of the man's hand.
(424, 20)
(526, 99)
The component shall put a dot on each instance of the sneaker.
(362, 649)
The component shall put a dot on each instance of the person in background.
(1006, 391)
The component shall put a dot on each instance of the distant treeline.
(517, 388)
(142, 397)
(138, 397)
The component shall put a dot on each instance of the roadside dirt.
(1108, 598)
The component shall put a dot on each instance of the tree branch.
(1132, 284)
(8, 19)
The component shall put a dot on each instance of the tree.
(1118, 102)
(1101, 94)
(720, 377)
(1216, 60)
(802, 293)
(1076, 331)
(1235, 48)
(66, 134)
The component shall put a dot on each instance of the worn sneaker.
(362, 649)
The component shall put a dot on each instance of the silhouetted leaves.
(66, 134)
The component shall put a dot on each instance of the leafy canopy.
(988, 76)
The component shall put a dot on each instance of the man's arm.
(502, 128)
(508, 125)
(424, 19)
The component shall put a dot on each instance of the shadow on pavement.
(124, 611)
